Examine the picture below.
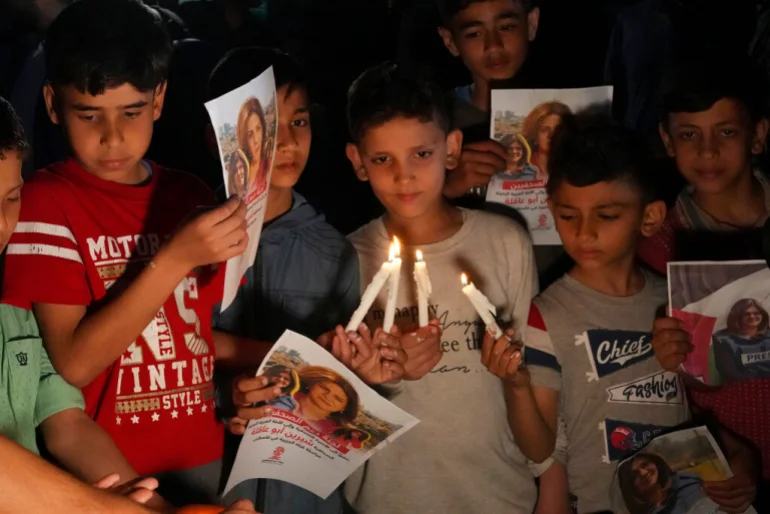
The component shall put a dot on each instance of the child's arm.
(478, 163)
(553, 494)
(236, 352)
(82, 344)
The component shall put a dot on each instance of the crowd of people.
(116, 353)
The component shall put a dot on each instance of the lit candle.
(423, 288)
(394, 260)
(482, 305)
(370, 294)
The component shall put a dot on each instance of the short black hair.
(449, 8)
(240, 65)
(11, 132)
(697, 83)
(94, 45)
(601, 152)
(389, 91)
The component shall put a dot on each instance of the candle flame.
(395, 249)
(464, 279)
(419, 255)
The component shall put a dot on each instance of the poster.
(525, 121)
(667, 475)
(326, 424)
(245, 121)
(724, 306)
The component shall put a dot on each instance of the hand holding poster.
(525, 121)
(668, 475)
(324, 426)
(724, 306)
(245, 122)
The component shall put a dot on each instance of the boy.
(124, 305)
(461, 457)
(305, 277)
(492, 38)
(587, 337)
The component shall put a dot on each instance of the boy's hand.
(212, 237)
(241, 507)
(377, 360)
(140, 490)
(671, 343)
(478, 162)
(503, 357)
(248, 391)
(423, 349)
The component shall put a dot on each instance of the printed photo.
(668, 474)
(724, 306)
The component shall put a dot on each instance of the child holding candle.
(453, 461)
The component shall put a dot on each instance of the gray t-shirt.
(596, 351)
(461, 457)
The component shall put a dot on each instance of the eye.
(566, 217)
(686, 135)
(132, 114)
(729, 132)
(300, 123)
(15, 198)
(608, 217)
(87, 117)
(382, 159)
(472, 35)
(508, 27)
(424, 154)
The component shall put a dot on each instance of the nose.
(709, 146)
(493, 41)
(402, 174)
(586, 230)
(112, 133)
(286, 138)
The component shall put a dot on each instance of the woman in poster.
(539, 127)
(324, 399)
(251, 132)
(350, 437)
(742, 349)
(650, 486)
(237, 173)
(285, 378)
(519, 168)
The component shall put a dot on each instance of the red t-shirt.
(80, 239)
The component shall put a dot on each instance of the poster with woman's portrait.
(245, 123)
(324, 424)
(724, 306)
(524, 121)
(668, 474)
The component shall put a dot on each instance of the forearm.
(102, 336)
(534, 436)
(235, 352)
(25, 476)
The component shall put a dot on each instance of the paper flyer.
(325, 425)
(245, 122)
(524, 121)
(724, 306)
(667, 475)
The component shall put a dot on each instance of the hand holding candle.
(483, 306)
(394, 262)
(423, 288)
(374, 288)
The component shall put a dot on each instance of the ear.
(50, 104)
(158, 99)
(211, 140)
(355, 159)
(653, 218)
(449, 42)
(760, 134)
(533, 22)
(666, 140)
(454, 147)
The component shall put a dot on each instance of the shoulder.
(46, 182)
(182, 184)
(366, 236)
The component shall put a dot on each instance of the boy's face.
(492, 37)
(294, 137)
(600, 224)
(10, 190)
(405, 160)
(108, 133)
(713, 148)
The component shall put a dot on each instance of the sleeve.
(727, 362)
(54, 394)
(43, 262)
(539, 354)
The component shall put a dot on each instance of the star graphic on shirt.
(117, 420)
(189, 411)
(174, 414)
(192, 287)
(129, 353)
(135, 419)
(204, 408)
(155, 416)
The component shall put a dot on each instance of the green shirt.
(31, 389)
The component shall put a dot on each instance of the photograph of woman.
(283, 377)
(539, 127)
(741, 350)
(650, 486)
(519, 166)
(323, 398)
(237, 174)
(350, 437)
(251, 135)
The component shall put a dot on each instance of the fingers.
(249, 413)
(395, 355)
(237, 426)
(482, 162)
(250, 390)
(490, 146)
(148, 483)
(233, 206)
(108, 481)
(141, 496)
(667, 324)
(241, 507)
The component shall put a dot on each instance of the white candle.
(394, 261)
(423, 288)
(482, 305)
